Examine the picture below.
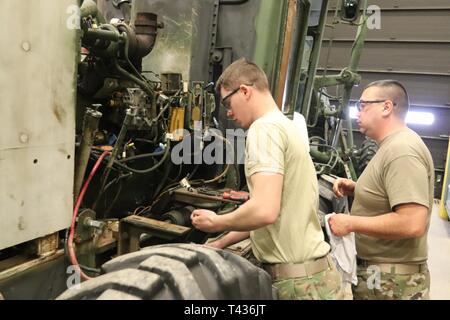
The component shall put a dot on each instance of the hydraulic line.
(72, 254)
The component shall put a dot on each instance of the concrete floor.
(439, 256)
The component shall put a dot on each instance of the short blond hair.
(241, 72)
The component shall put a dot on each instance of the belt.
(396, 268)
(298, 270)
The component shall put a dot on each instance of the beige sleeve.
(406, 181)
(266, 146)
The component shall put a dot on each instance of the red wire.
(73, 256)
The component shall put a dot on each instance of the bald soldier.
(393, 200)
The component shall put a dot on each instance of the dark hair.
(240, 72)
(396, 92)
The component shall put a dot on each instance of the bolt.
(24, 138)
(95, 224)
(26, 46)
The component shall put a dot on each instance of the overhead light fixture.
(424, 118)
(413, 117)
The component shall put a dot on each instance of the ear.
(388, 108)
(247, 91)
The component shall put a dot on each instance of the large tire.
(368, 150)
(179, 272)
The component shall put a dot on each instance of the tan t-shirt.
(401, 172)
(274, 145)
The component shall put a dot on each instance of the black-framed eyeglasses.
(360, 104)
(227, 97)
(226, 100)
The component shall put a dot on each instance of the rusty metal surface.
(43, 280)
(186, 196)
(83, 231)
(178, 48)
(131, 229)
(151, 224)
(288, 34)
(47, 245)
(28, 265)
(106, 242)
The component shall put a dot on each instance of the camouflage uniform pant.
(325, 285)
(391, 286)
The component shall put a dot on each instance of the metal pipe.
(90, 126)
(146, 29)
(336, 133)
(321, 156)
(108, 35)
(359, 43)
(353, 66)
(127, 58)
(348, 165)
(298, 53)
(315, 54)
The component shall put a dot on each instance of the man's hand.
(205, 220)
(340, 224)
(229, 239)
(343, 187)
(215, 244)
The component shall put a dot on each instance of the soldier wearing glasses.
(281, 216)
(393, 200)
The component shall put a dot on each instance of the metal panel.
(423, 90)
(417, 57)
(178, 48)
(237, 25)
(37, 127)
(406, 4)
(402, 25)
